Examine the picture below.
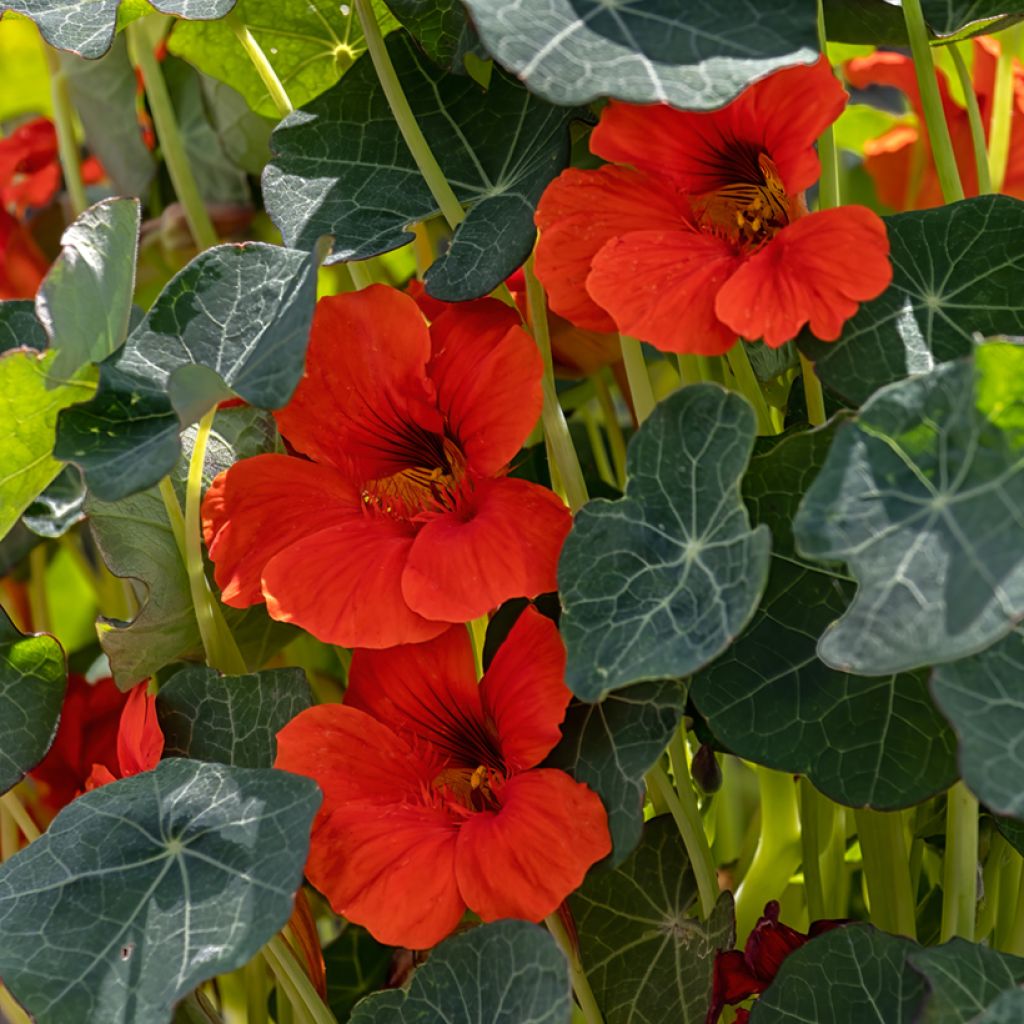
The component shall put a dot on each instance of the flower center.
(420, 488)
(748, 212)
(471, 788)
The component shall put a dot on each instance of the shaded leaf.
(439, 26)
(874, 22)
(963, 978)
(341, 167)
(1007, 1008)
(509, 973)
(947, 16)
(647, 957)
(657, 584)
(59, 507)
(355, 964)
(1013, 832)
(244, 134)
(19, 326)
(145, 887)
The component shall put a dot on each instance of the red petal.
(343, 585)
(896, 70)
(259, 507)
(140, 740)
(33, 190)
(525, 859)
(524, 692)
(487, 371)
(733, 982)
(817, 271)
(22, 265)
(365, 392)
(661, 286)
(578, 213)
(100, 775)
(769, 944)
(502, 541)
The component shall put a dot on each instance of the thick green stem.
(816, 821)
(682, 804)
(172, 146)
(992, 877)
(261, 64)
(960, 865)
(1015, 932)
(973, 119)
(616, 439)
(711, 368)
(1001, 121)
(427, 163)
(750, 387)
(256, 991)
(887, 870)
(639, 379)
(14, 807)
(360, 274)
(592, 421)
(689, 369)
(828, 186)
(1009, 887)
(295, 982)
(580, 985)
(10, 843)
(931, 103)
(64, 124)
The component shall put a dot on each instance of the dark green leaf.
(144, 888)
(439, 26)
(356, 964)
(1007, 1008)
(230, 719)
(59, 507)
(661, 582)
(244, 134)
(32, 682)
(510, 972)
(647, 957)
(947, 16)
(874, 22)
(342, 168)
(983, 698)
(922, 496)
(19, 326)
(612, 744)
(963, 979)
(956, 272)
(1013, 832)
(236, 317)
(697, 55)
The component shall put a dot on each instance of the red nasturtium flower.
(22, 265)
(433, 801)
(401, 520)
(697, 232)
(900, 161)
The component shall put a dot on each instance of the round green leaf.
(441, 27)
(20, 327)
(1006, 1008)
(963, 978)
(948, 16)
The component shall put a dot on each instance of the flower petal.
(524, 693)
(817, 271)
(661, 285)
(22, 265)
(578, 213)
(525, 859)
(502, 541)
(140, 740)
(260, 506)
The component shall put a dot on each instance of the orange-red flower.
(697, 230)
(22, 265)
(900, 161)
(401, 520)
(433, 801)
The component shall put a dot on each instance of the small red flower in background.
(22, 265)
(103, 735)
(900, 161)
(697, 232)
(401, 521)
(433, 801)
(740, 975)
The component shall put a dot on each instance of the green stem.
(1001, 118)
(428, 166)
(973, 119)
(1009, 889)
(616, 439)
(682, 804)
(592, 422)
(960, 865)
(295, 982)
(172, 146)
(64, 124)
(992, 877)
(1015, 932)
(580, 985)
(750, 387)
(710, 368)
(14, 807)
(638, 377)
(931, 102)
(828, 186)
(556, 429)
(38, 598)
(689, 369)
(10, 843)
(261, 64)
(887, 870)
(816, 820)
(813, 394)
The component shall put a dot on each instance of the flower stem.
(992, 878)
(616, 439)
(1001, 119)
(10, 843)
(254, 974)
(887, 870)
(1009, 888)
(592, 421)
(295, 982)
(828, 185)
(710, 368)
(931, 102)
(1011, 921)
(750, 387)
(814, 397)
(960, 865)
(816, 821)
(428, 166)
(580, 985)
(689, 369)
(172, 145)
(638, 377)
(14, 807)
(260, 62)
(973, 119)
(360, 274)
(64, 124)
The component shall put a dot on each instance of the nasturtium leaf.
(243, 134)
(32, 682)
(236, 317)
(849, 975)
(983, 698)
(956, 273)
(205, 10)
(612, 744)
(144, 888)
(85, 27)
(59, 507)
(30, 401)
(509, 972)
(921, 495)
(647, 956)
(230, 719)
(310, 44)
(1006, 1008)
(85, 301)
(341, 167)
(697, 56)
(1012, 831)
(863, 742)
(439, 26)
(963, 978)
(20, 327)
(874, 22)
(355, 964)
(947, 16)
(658, 583)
